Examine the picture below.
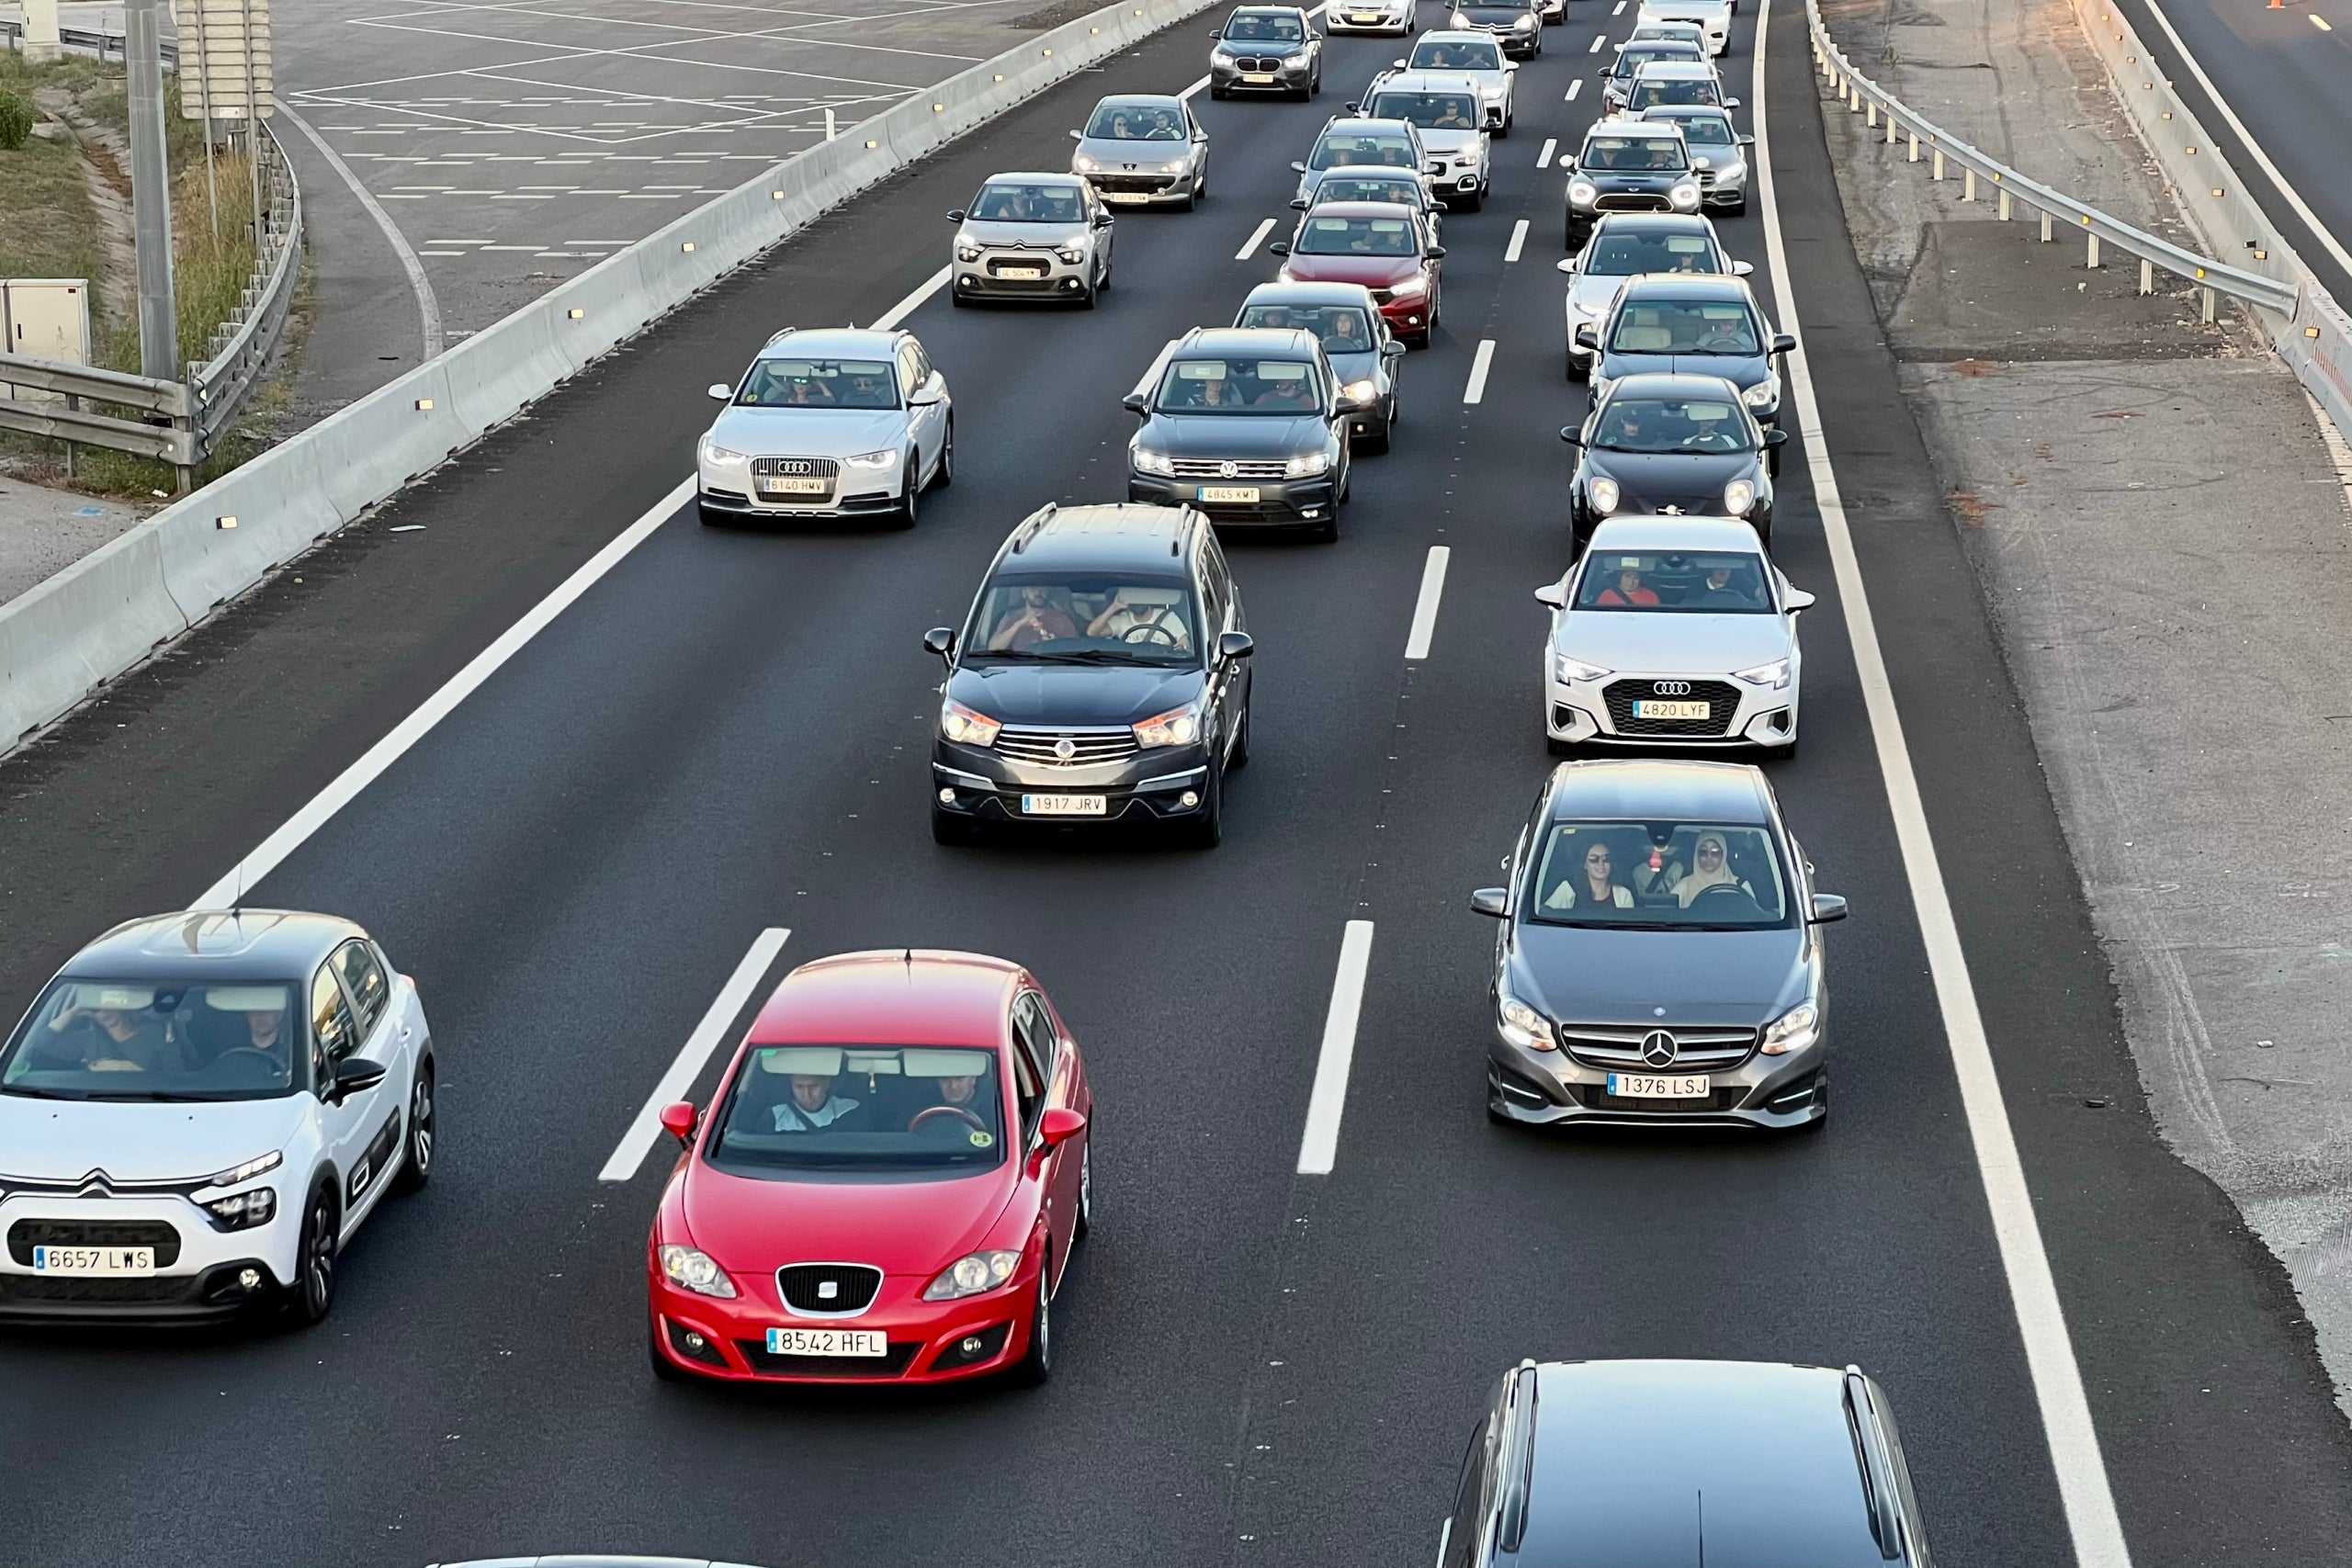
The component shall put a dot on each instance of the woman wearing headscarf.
(1710, 867)
(1593, 886)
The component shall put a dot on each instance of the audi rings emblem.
(1659, 1048)
(796, 466)
(1672, 688)
(1064, 748)
(1226, 470)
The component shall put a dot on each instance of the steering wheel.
(1726, 889)
(928, 1111)
(268, 1065)
(1149, 631)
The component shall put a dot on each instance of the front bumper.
(1407, 314)
(202, 1274)
(1056, 279)
(927, 1340)
(1279, 502)
(1122, 188)
(1549, 1088)
(1252, 73)
(1167, 784)
(1386, 18)
(1715, 191)
(1586, 712)
(731, 489)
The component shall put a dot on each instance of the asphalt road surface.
(730, 732)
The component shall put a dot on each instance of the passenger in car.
(1592, 888)
(1034, 620)
(1627, 593)
(119, 1038)
(812, 1105)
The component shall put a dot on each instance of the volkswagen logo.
(1226, 470)
(1659, 1048)
(1064, 748)
(1672, 688)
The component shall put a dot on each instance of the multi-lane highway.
(728, 731)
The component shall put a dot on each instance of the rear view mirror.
(1435, 253)
(1392, 349)
(940, 641)
(1828, 907)
(1101, 220)
(1133, 402)
(678, 1120)
(1279, 248)
(1800, 600)
(356, 1075)
(720, 392)
(1078, 136)
(1298, 168)
(1299, 204)
(1494, 901)
(1731, 103)
(954, 215)
(1585, 339)
(1566, 263)
(1568, 433)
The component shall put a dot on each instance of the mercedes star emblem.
(1659, 1048)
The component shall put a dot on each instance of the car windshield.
(1455, 54)
(1135, 122)
(1617, 255)
(1431, 111)
(1632, 152)
(1259, 27)
(1659, 875)
(1008, 201)
(1634, 56)
(819, 384)
(1403, 189)
(1671, 90)
(1340, 329)
(1326, 236)
(878, 1108)
(1671, 425)
(1281, 387)
(1708, 582)
(142, 1040)
(1351, 147)
(1095, 618)
(1685, 326)
(1707, 130)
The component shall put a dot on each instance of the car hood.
(61, 1140)
(1233, 436)
(1023, 236)
(1072, 694)
(1634, 179)
(752, 1225)
(1669, 644)
(1591, 293)
(1451, 143)
(1373, 272)
(1652, 481)
(1350, 367)
(1269, 49)
(808, 433)
(1590, 976)
(1126, 155)
(1742, 370)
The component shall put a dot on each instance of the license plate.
(1125, 195)
(93, 1261)
(1651, 707)
(1363, 19)
(1064, 805)
(1259, 78)
(828, 1342)
(1230, 492)
(1660, 1086)
(794, 486)
(1021, 272)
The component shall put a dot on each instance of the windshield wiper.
(1095, 655)
(32, 1093)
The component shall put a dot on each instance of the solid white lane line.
(1417, 641)
(2084, 1489)
(1250, 246)
(1193, 88)
(913, 302)
(1574, 88)
(1320, 1144)
(1551, 146)
(693, 1055)
(1597, 43)
(428, 305)
(1518, 239)
(1476, 391)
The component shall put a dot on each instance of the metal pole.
(150, 194)
(252, 122)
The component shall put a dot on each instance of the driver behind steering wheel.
(956, 1110)
(1132, 617)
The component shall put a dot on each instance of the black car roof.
(1656, 790)
(213, 946)
(1135, 538)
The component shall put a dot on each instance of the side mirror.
(1236, 645)
(1078, 136)
(1133, 402)
(1569, 433)
(1553, 595)
(940, 641)
(1742, 269)
(1783, 343)
(1059, 1125)
(1798, 599)
(1398, 64)
(1392, 349)
(1101, 220)
(720, 392)
(1586, 340)
(954, 215)
(1344, 405)
(1745, 139)
(1567, 265)
(678, 1120)
(1731, 103)
(1435, 253)
(1298, 203)
(1279, 248)
(1299, 167)
(1776, 436)
(356, 1074)
(1828, 907)
(1494, 901)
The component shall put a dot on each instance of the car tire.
(712, 517)
(1474, 201)
(1556, 747)
(1085, 1220)
(948, 829)
(911, 487)
(1207, 830)
(1579, 367)
(955, 298)
(311, 1296)
(1036, 1364)
(1738, 208)
(416, 1147)
(1086, 296)
(1216, 91)
(1238, 757)
(1191, 200)
(943, 474)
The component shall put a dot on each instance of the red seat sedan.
(1388, 248)
(887, 1187)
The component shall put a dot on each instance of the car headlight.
(1177, 726)
(1522, 24)
(1601, 491)
(1774, 675)
(1764, 394)
(1412, 288)
(1175, 166)
(1739, 496)
(1307, 467)
(1793, 1031)
(1148, 461)
(967, 252)
(1295, 62)
(1735, 172)
(1361, 391)
(970, 1275)
(260, 1165)
(959, 722)
(885, 458)
(691, 1268)
(1524, 1026)
(1685, 195)
(718, 455)
(1080, 164)
(1569, 670)
(1583, 192)
(1072, 255)
(243, 1211)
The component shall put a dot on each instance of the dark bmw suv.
(1103, 675)
(1249, 424)
(1658, 963)
(1684, 1462)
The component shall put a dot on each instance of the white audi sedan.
(1677, 632)
(828, 423)
(199, 1111)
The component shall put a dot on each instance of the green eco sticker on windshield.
(983, 1140)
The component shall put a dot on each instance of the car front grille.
(1214, 468)
(1696, 1049)
(1087, 746)
(1633, 201)
(1596, 1097)
(25, 1235)
(757, 1357)
(797, 468)
(828, 1289)
(1721, 697)
(1139, 184)
(1253, 63)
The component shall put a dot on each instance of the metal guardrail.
(242, 346)
(80, 38)
(1929, 141)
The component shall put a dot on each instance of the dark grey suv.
(1249, 424)
(1658, 962)
(1685, 1462)
(1102, 676)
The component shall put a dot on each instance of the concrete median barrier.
(69, 636)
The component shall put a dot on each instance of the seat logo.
(827, 1289)
(1064, 748)
(1226, 470)
(1659, 1048)
(1672, 688)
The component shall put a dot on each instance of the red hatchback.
(888, 1186)
(1386, 248)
